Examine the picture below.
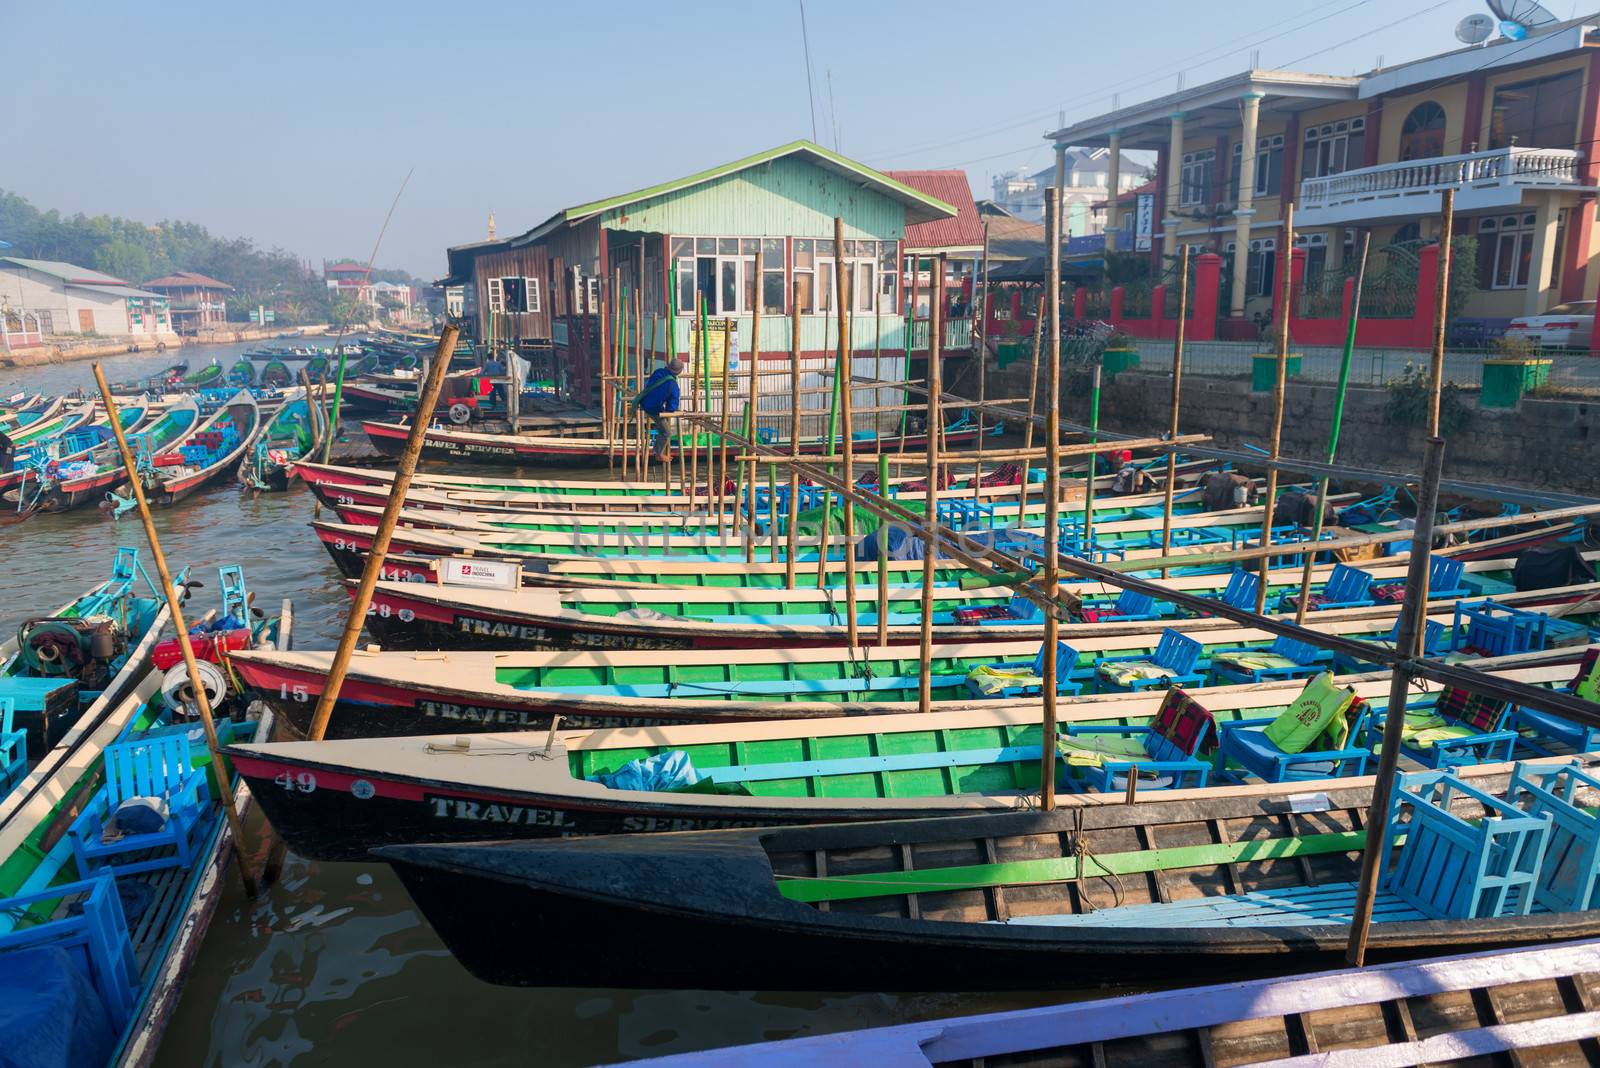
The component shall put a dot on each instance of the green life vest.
(1309, 714)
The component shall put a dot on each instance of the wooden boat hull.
(246, 415)
(390, 438)
(576, 912)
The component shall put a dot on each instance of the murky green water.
(333, 965)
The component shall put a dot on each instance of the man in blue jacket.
(659, 396)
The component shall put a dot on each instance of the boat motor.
(72, 647)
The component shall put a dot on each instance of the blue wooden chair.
(1244, 742)
(1024, 678)
(154, 767)
(1459, 728)
(1484, 628)
(1433, 643)
(1130, 606)
(1163, 755)
(1347, 587)
(1453, 868)
(93, 931)
(1569, 879)
(1444, 582)
(1175, 662)
(1285, 658)
(13, 748)
(1539, 729)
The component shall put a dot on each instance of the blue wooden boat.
(1477, 1005)
(294, 432)
(98, 929)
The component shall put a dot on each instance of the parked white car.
(1566, 326)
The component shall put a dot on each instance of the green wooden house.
(756, 229)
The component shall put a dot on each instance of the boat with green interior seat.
(296, 429)
(1246, 881)
(964, 757)
(93, 475)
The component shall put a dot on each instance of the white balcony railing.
(1496, 178)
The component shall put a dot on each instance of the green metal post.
(338, 395)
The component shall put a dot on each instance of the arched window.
(1422, 134)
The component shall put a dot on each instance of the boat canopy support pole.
(1279, 389)
(407, 466)
(1177, 393)
(175, 606)
(1052, 504)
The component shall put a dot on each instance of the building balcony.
(1497, 178)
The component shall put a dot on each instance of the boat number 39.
(301, 782)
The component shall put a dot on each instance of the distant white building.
(1087, 176)
(63, 298)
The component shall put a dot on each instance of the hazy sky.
(294, 123)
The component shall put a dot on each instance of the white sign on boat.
(484, 574)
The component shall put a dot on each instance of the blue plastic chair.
(1489, 629)
(146, 767)
(13, 748)
(1244, 742)
(1444, 578)
(1174, 663)
(94, 933)
(1306, 660)
(1433, 643)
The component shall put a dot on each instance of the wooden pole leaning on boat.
(608, 365)
(1095, 377)
(174, 605)
(721, 453)
(1177, 393)
(794, 435)
(754, 470)
(1052, 507)
(1285, 295)
(844, 373)
(1345, 361)
(427, 398)
(883, 553)
(1408, 643)
(1033, 396)
(1441, 311)
(930, 547)
(980, 346)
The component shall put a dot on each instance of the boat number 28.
(303, 782)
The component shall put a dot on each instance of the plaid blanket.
(1182, 721)
(1474, 710)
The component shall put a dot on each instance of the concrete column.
(1061, 166)
(1540, 294)
(1335, 257)
(1244, 211)
(1113, 180)
(1169, 225)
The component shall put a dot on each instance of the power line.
(811, 96)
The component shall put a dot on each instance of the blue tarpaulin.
(664, 771)
(51, 1016)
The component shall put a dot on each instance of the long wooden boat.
(396, 692)
(70, 446)
(1236, 881)
(101, 471)
(416, 615)
(210, 451)
(298, 428)
(1527, 1006)
(63, 420)
(362, 485)
(153, 939)
(542, 450)
(535, 784)
(211, 374)
(34, 412)
(72, 665)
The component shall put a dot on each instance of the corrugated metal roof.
(116, 291)
(963, 233)
(188, 279)
(67, 272)
(919, 205)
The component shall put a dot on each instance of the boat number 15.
(303, 782)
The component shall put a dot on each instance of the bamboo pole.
(1333, 431)
(1408, 634)
(201, 700)
(930, 548)
(1441, 297)
(883, 555)
(694, 390)
(947, 460)
(1052, 490)
(832, 437)
(794, 436)
(980, 346)
(844, 377)
(1033, 397)
(608, 387)
(755, 411)
(1177, 392)
(911, 336)
(721, 451)
(1094, 459)
(669, 324)
(1285, 298)
(404, 469)
(637, 424)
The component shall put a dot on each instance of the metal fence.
(1569, 372)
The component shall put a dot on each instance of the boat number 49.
(303, 782)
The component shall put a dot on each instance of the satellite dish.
(1474, 29)
(1521, 18)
